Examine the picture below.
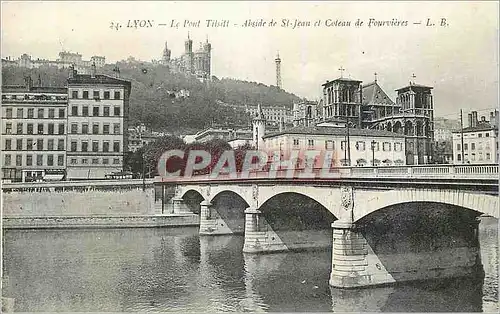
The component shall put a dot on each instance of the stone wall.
(114, 202)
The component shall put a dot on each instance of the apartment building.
(33, 132)
(478, 142)
(97, 124)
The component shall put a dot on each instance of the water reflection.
(176, 270)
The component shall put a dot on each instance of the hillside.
(154, 102)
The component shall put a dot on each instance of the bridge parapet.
(488, 172)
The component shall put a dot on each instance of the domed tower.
(259, 129)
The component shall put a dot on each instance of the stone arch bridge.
(362, 202)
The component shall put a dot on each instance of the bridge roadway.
(364, 203)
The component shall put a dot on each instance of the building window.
(105, 146)
(8, 112)
(458, 146)
(7, 160)
(40, 128)
(116, 111)
(20, 113)
(360, 145)
(105, 129)
(116, 128)
(105, 111)
(51, 128)
(398, 147)
(295, 142)
(105, 161)
(60, 160)
(84, 161)
(60, 144)
(61, 113)
(29, 144)
(19, 144)
(19, 128)
(50, 160)
(41, 113)
(343, 145)
(466, 147)
(85, 94)
(386, 147)
(473, 146)
(8, 144)
(480, 156)
(96, 94)
(85, 146)
(106, 94)
(19, 160)
(74, 110)
(51, 113)
(95, 161)
(31, 113)
(473, 156)
(116, 146)
(74, 94)
(488, 156)
(61, 128)
(85, 128)
(50, 144)
(116, 161)
(459, 157)
(74, 128)
(73, 161)
(8, 128)
(95, 128)
(73, 146)
(39, 144)
(30, 128)
(310, 143)
(29, 160)
(480, 135)
(95, 111)
(85, 111)
(329, 144)
(117, 95)
(95, 146)
(487, 134)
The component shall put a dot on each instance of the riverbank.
(102, 221)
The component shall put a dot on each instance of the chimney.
(474, 119)
(92, 70)
(470, 120)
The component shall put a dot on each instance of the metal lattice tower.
(278, 70)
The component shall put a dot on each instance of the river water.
(132, 270)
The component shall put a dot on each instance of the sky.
(460, 59)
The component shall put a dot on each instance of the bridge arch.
(371, 202)
(192, 199)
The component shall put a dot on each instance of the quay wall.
(86, 202)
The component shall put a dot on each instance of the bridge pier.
(210, 222)
(259, 236)
(355, 263)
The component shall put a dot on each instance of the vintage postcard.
(243, 156)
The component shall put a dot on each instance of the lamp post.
(373, 152)
(143, 173)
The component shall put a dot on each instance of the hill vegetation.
(153, 100)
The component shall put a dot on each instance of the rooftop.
(335, 131)
(481, 126)
(412, 85)
(33, 89)
(373, 94)
(97, 79)
(341, 79)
